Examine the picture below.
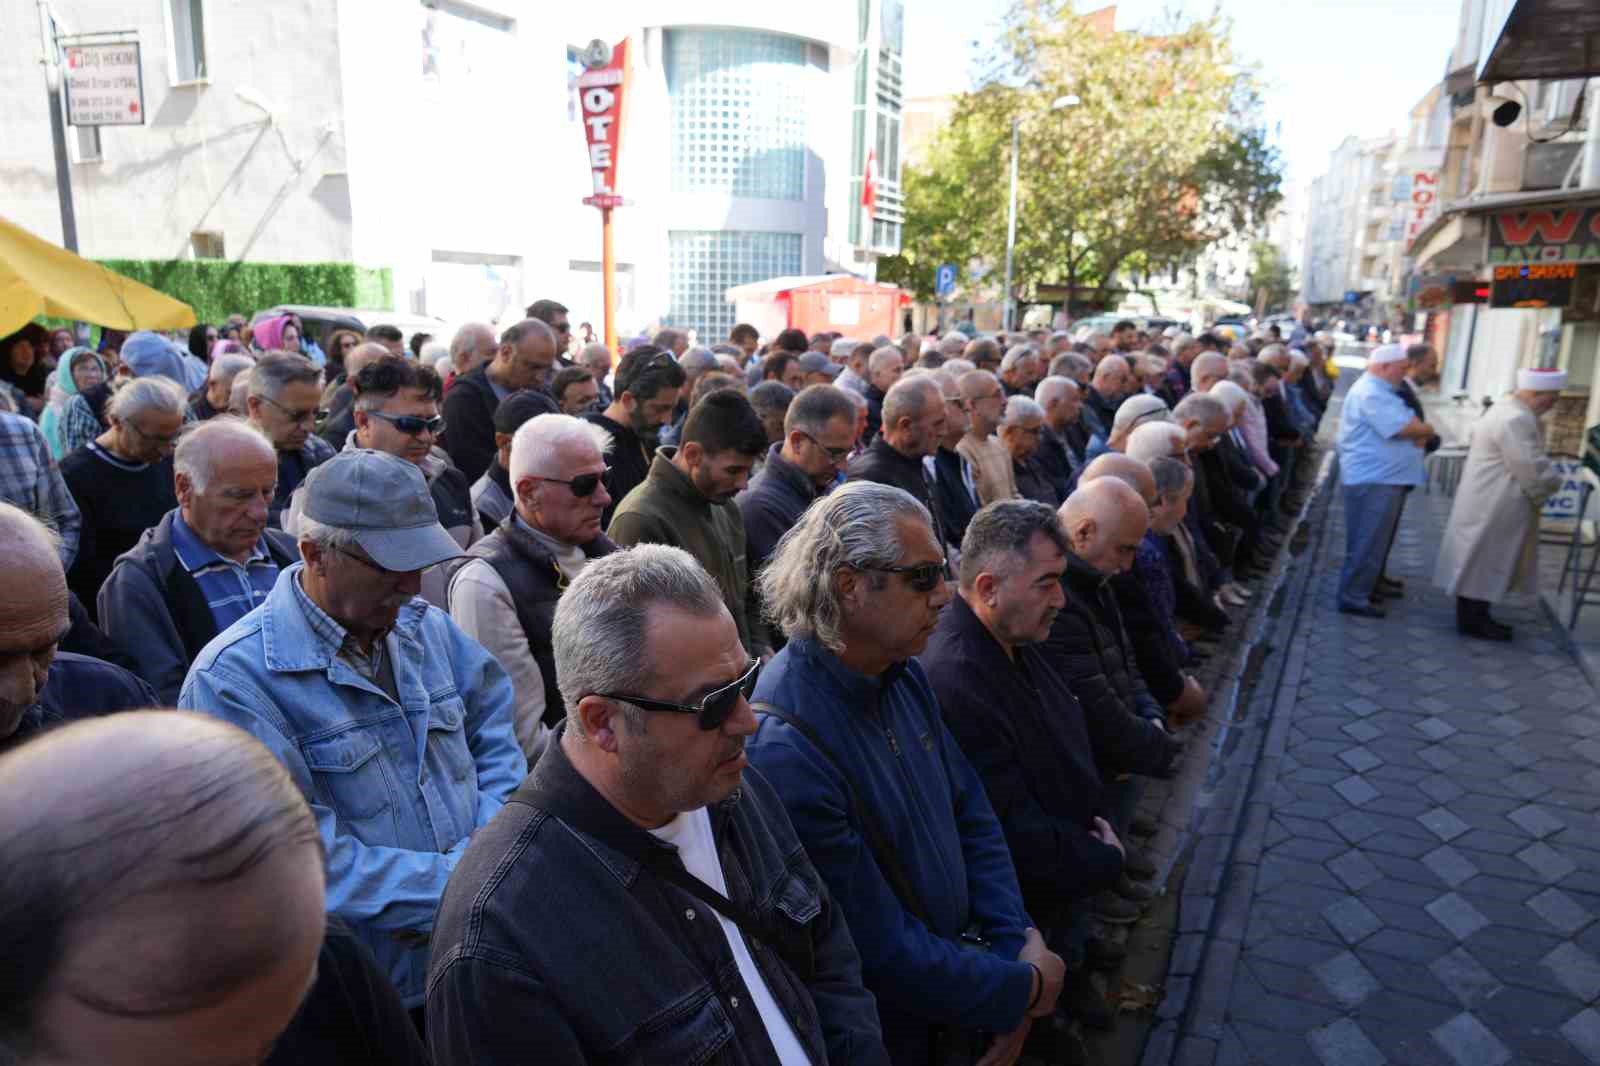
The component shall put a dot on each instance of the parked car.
(319, 321)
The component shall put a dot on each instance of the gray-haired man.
(284, 403)
(643, 897)
(394, 723)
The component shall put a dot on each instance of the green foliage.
(217, 288)
(1162, 155)
(1270, 271)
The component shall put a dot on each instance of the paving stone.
(1354, 869)
(1458, 916)
(1546, 861)
(1576, 969)
(1537, 821)
(1439, 757)
(1470, 1043)
(1443, 824)
(1346, 979)
(1450, 865)
(1586, 725)
(1344, 1043)
(1362, 731)
(1517, 755)
(1583, 1030)
(1465, 977)
(1361, 705)
(1440, 789)
(1528, 784)
(1353, 920)
(1433, 705)
(1435, 728)
(1501, 702)
(1356, 790)
(1360, 760)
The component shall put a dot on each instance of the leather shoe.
(1363, 610)
(1391, 584)
(1102, 954)
(1112, 908)
(1133, 891)
(1137, 865)
(1486, 629)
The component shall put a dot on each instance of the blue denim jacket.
(396, 789)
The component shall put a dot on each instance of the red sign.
(1423, 205)
(600, 93)
(1549, 235)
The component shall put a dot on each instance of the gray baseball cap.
(385, 503)
(817, 363)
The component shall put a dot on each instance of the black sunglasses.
(714, 707)
(582, 485)
(412, 425)
(923, 578)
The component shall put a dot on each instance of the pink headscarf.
(268, 333)
(223, 346)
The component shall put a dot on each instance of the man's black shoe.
(1101, 954)
(1485, 629)
(1363, 610)
(1391, 584)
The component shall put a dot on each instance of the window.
(207, 244)
(738, 112)
(704, 264)
(188, 40)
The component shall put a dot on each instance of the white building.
(438, 139)
(1350, 228)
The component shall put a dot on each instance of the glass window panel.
(705, 264)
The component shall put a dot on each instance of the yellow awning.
(38, 278)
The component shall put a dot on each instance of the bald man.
(1158, 440)
(41, 686)
(1207, 369)
(341, 401)
(164, 902)
(1104, 520)
(1112, 381)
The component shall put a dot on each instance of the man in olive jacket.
(686, 501)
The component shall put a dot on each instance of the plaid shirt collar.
(338, 639)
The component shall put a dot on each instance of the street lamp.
(1057, 104)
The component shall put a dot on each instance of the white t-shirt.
(690, 832)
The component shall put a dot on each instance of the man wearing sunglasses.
(393, 722)
(397, 412)
(687, 502)
(504, 596)
(818, 431)
(284, 394)
(854, 732)
(643, 897)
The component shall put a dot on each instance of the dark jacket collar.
(674, 481)
(1083, 578)
(856, 687)
(887, 453)
(779, 467)
(972, 636)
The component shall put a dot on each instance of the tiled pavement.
(1428, 886)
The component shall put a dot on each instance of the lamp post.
(58, 131)
(1059, 103)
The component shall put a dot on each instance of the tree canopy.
(1163, 154)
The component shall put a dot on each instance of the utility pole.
(58, 129)
(1011, 225)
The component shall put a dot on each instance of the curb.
(1228, 826)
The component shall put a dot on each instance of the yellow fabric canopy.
(38, 278)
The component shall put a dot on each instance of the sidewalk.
(1414, 872)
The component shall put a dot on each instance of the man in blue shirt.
(892, 814)
(1380, 456)
(393, 722)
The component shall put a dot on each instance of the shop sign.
(600, 92)
(1417, 189)
(1533, 285)
(1549, 235)
(104, 83)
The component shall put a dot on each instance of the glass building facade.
(704, 264)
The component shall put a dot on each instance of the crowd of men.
(746, 703)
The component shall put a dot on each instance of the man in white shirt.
(504, 596)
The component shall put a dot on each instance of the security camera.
(1509, 108)
(1506, 113)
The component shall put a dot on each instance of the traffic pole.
(608, 280)
(58, 129)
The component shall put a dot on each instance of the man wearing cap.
(1491, 543)
(1380, 455)
(819, 369)
(492, 494)
(393, 722)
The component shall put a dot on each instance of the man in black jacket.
(207, 563)
(1017, 720)
(527, 352)
(645, 392)
(913, 426)
(955, 488)
(818, 430)
(1111, 382)
(1060, 448)
(643, 897)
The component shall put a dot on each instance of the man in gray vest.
(504, 596)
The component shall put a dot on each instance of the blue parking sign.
(944, 282)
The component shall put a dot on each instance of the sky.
(1327, 68)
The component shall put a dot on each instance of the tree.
(1162, 155)
(1269, 272)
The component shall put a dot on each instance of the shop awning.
(1545, 40)
(1453, 242)
(38, 278)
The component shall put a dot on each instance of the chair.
(1585, 535)
(1444, 469)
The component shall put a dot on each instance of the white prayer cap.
(1389, 353)
(1531, 380)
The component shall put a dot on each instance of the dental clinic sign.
(600, 91)
(104, 84)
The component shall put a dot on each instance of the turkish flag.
(869, 183)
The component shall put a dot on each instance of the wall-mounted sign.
(1550, 235)
(600, 91)
(104, 84)
(1533, 285)
(1431, 292)
(1417, 190)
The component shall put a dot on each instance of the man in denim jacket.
(581, 927)
(394, 723)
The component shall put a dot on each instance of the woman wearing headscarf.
(277, 333)
(79, 368)
(22, 366)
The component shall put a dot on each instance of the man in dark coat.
(647, 385)
(818, 429)
(527, 352)
(913, 425)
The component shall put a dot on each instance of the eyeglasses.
(582, 485)
(368, 563)
(315, 414)
(165, 442)
(924, 577)
(412, 425)
(714, 707)
(835, 455)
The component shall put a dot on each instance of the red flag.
(869, 183)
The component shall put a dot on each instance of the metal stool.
(1582, 573)
(1444, 470)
